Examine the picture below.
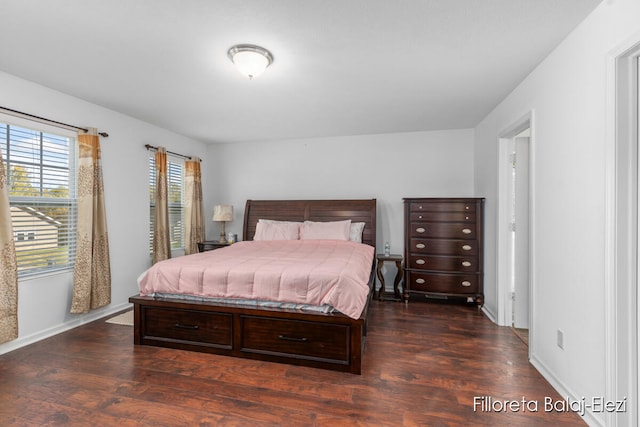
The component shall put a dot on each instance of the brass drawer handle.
(420, 230)
(420, 281)
(420, 261)
(466, 264)
(466, 283)
(466, 207)
(419, 216)
(466, 230)
(466, 247)
(420, 207)
(420, 246)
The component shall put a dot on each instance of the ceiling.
(341, 67)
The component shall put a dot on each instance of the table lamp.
(222, 213)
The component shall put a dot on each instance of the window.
(41, 178)
(175, 183)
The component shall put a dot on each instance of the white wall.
(385, 167)
(567, 94)
(44, 303)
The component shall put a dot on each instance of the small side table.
(380, 260)
(209, 245)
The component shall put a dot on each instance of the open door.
(520, 229)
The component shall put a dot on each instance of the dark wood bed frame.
(329, 341)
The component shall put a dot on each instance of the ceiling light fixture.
(251, 60)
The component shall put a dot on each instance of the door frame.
(621, 244)
(503, 260)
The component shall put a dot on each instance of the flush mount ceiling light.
(251, 60)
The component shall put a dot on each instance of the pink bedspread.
(314, 272)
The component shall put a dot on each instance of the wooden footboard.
(328, 341)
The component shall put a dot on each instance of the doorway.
(514, 229)
(520, 235)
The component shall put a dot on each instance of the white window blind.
(41, 178)
(175, 183)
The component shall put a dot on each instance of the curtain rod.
(48, 121)
(151, 147)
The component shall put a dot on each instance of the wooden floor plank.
(424, 364)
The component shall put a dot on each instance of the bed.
(293, 334)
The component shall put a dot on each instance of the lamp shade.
(250, 60)
(222, 213)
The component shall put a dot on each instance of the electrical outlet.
(560, 339)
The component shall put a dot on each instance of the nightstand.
(210, 245)
(380, 260)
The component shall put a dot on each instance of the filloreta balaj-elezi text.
(579, 406)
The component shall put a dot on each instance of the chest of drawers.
(443, 248)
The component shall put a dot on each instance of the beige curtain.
(8, 266)
(92, 272)
(193, 210)
(161, 241)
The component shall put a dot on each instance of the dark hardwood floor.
(423, 366)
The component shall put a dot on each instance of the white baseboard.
(87, 318)
(589, 417)
(489, 314)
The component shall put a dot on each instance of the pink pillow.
(277, 230)
(332, 230)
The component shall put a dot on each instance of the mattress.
(329, 274)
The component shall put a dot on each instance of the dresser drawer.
(189, 327)
(442, 283)
(295, 338)
(443, 263)
(456, 206)
(443, 246)
(447, 230)
(442, 216)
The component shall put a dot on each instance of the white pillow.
(267, 229)
(331, 230)
(355, 232)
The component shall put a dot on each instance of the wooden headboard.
(363, 210)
